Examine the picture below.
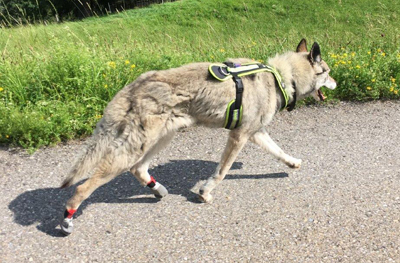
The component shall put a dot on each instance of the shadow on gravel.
(46, 206)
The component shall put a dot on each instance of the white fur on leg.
(236, 141)
(293, 162)
(204, 195)
(264, 140)
(206, 198)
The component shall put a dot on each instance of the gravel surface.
(343, 205)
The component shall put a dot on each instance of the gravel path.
(343, 205)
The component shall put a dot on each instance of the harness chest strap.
(230, 70)
(234, 110)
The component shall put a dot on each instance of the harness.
(234, 71)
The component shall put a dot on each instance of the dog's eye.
(323, 71)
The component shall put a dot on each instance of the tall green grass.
(55, 80)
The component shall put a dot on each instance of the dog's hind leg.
(140, 170)
(236, 141)
(264, 140)
(108, 169)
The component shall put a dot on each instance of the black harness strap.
(292, 105)
(239, 91)
(236, 111)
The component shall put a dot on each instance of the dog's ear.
(302, 46)
(315, 53)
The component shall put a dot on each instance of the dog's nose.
(331, 84)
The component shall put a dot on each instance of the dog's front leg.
(236, 141)
(264, 140)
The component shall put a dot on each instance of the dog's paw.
(159, 191)
(205, 198)
(67, 226)
(294, 163)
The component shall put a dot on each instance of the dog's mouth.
(321, 95)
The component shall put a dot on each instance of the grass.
(56, 79)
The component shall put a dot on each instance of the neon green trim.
(252, 68)
(273, 71)
(227, 112)
(240, 115)
(279, 79)
(215, 76)
(236, 118)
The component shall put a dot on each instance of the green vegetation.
(55, 80)
(20, 12)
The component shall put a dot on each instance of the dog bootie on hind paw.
(157, 189)
(67, 226)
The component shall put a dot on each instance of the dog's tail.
(95, 150)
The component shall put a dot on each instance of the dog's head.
(319, 75)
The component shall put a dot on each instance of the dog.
(143, 117)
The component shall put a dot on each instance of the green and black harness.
(234, 71)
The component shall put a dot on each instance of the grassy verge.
(55, 80)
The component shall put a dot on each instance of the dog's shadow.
(45, 206)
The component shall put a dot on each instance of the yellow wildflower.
(358, 66)
(373, 80)
(105, 86)
(127, 62)
(1, 89)
(392, 79)
(379, 50)
(369, 88)
(7, 136)
(369, 52)
(222, 50)
(391, 89)
(112, 64)
(383, 54)
(133, 66)
(345, 55)
(353, 54)
(396, 91)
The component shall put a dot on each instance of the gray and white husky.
(143, 117)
